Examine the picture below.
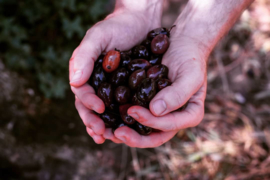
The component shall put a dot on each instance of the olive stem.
(171, 28)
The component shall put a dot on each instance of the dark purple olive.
(138, 64)
(147, 43)
(124, 115)
(99, 61)
(97, 77)
(162, 83)
(119, 77)
(155, 60)
(136, 78)
(147, 90)
(140, 51)
(157, 31)
(105, 93)
(113, 107)
(158, 71)
(125, 60)
(136, 101)
(118, 126)
(160, 44)
(122, 94)
(141, 129)
(110, 120)
(128, 52)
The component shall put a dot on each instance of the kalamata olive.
(157, 31)
(124, 115)
(158, 71)
(140, 51)
(128, 53)
(99, 61)
(147, 43)
(160, 44)
(141, 129)
(138, 64)
(162, 83)
(118, 126)
(111, 61)
(105, 93)
(122, 94)
(113, 107)
(97, 77)
(125, 60)
(147, 90)
(136, 78)
(155, 60)
(136, 101)
(110, 120)
(119, 77)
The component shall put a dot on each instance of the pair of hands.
(185, 58)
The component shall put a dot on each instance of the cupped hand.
(186, 59)
(122, 29)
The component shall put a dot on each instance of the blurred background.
(43, 138)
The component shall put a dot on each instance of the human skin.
(198, 29)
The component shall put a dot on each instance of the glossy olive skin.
(140, 51)
(125, 60)
(110, 120)
(157, 31)
(99, 61)
(138, 64)
(124, 115)
(105, 93)
(136, 101)
(162, 83)
(147, 43)
(119, 77)
(158, 71)
(98, 76)
(155, 60)
(141, 129)
(128, 52)
(111, 61)
(136, 78)
(147, 90)
(160, 44)
(122, 94)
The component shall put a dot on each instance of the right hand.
(122, 29)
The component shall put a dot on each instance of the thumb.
(84, 57)
(175, 96)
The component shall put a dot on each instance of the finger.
(176, 95)
(85, 55)
(108, 134)
(97, 138)
(131, 138)
(86, 94)
(89, 118)
(189, 117)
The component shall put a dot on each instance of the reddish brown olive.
(105, 93)
(160, 44)
(136, 78)
(158, 71)
(111, 61)
(147, 90)
(110, 119)
(162, 30)
(124, 115)
(138, 64)
(162, 83)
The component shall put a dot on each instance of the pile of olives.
(126, 78)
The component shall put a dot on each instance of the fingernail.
(122, 138)
(159, 107)
(134, 115)
(77, 76)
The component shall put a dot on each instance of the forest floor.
(45, 139)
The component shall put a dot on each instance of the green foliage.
(38, 37)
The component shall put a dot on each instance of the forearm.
(208, 20)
